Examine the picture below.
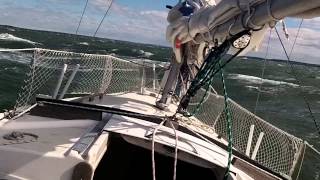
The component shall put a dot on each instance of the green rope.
(208, 70)
(229, 121)
(204, 78)
(199, 105)
(227, 112)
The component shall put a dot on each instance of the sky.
(140, 21)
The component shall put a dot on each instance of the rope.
(229, 123)
(175, 149)
(299, 83)
(207, 71)
(203, 99)
(153, 149)
(205, 76)
(262, 73)
(84, 10)
(270, 12)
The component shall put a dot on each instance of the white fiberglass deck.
(51, 156)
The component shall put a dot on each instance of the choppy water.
(281, 95)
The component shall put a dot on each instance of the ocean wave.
(290, 79)
(10, 37)
(84, 43)
(252, 87)
(265, 90)
(257, 80)
(144, 53)
(16, 56)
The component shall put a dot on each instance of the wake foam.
(16, 57)
(10, 37)
(257, 80)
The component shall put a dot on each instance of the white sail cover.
(205, 19)
(217, 22)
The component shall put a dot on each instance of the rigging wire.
(262, 73)
(297, 79)
(105, 15)
(295, 39)
(80, 21)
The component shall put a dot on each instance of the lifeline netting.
(107, 74)
(278, 151)
(96, 74)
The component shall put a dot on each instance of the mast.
(215, 24)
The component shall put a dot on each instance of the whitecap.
(10, 37)
(148, 54)
(84, 43)
(10, 68)
(145, 54)
(290, 79)
(16, 56)
(10, 29)
(252, 87)
(257, 80)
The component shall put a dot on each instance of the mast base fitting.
(162, 106)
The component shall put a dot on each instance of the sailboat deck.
(60, 126)
(58, 129)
